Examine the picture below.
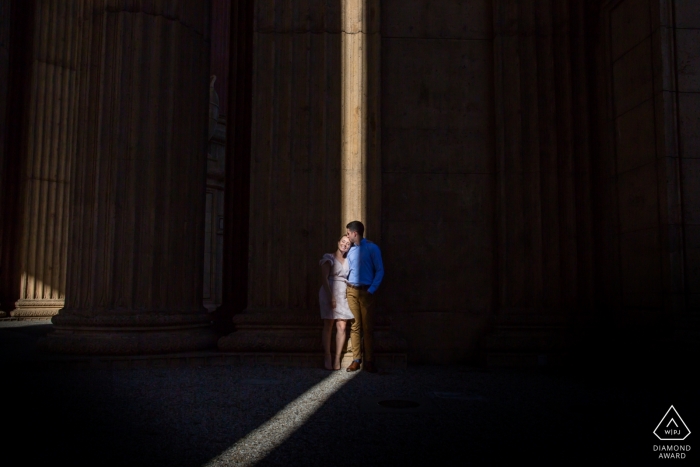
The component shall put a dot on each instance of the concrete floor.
(264, 415)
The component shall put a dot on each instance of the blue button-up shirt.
(366, 268)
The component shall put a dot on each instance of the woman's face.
(344, 244)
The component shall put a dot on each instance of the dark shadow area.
(566, 417)
(149, 417)
(603, 407)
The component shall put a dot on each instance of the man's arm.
(376, 256)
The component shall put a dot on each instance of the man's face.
(352, 236)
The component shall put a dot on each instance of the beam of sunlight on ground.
(257, 444)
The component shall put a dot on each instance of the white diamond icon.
(671, 427)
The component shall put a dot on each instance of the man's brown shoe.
(354, 366)
(369, 367)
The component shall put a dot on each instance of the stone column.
(50, 144)
(17, 56)
(542, 156)
(675, 61)
(360, 149)
(543, 208)
(4, 85)
(134, 276)
(290, 160)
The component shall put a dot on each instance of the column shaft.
(295, 160)
(4, 87)
(50, 145)
(360, 152)
(543, 217)
(18, 18)
(134, 276)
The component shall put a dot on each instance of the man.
(366, 273)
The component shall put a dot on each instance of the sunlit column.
(50, 142)
(134, 273)
(360, 165)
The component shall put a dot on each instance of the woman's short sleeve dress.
(337, 279)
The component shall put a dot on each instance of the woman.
(334, 304)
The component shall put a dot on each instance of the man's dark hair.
(356, 226)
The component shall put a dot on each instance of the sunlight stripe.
(257, 444)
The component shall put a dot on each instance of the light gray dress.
(337, 279)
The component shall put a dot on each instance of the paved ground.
(229, 415)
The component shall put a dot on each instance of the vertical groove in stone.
(577, 239)
(564, 268)
(298, 268)
(553, 155)
(34, 145)
(262, 143)
(530, 292)
(51, 132)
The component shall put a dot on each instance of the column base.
(274, 331)
(522, 340)
(28, 308)
(129, 333)
(289, 337)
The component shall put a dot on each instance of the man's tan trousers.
(361, 304)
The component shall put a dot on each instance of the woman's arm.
(325, 271)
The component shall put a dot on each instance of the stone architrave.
(134, 276)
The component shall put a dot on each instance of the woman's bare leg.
(326, 338)
(340, 325)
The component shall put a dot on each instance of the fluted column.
(295, 162)
(543, 217)
(134, 276)
(18, 38)
(50, 144)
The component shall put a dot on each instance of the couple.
(351, 276)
